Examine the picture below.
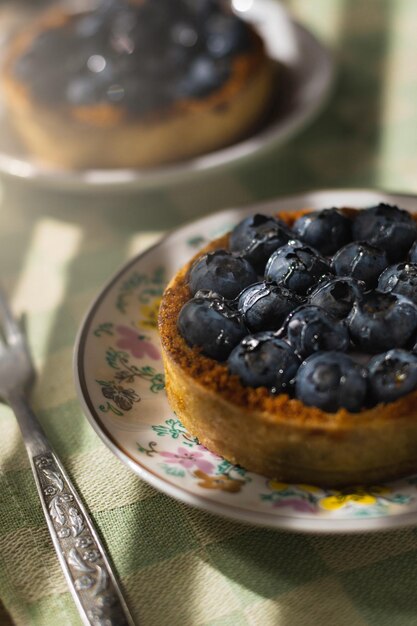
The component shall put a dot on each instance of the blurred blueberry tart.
(290, 345)
(136, 83)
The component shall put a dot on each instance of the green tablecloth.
(180, 566)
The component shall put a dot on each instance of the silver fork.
(82, 556)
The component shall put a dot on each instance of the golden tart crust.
(279, 436)
(101, 136)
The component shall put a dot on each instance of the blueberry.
(326, 230)
(381, 321)
(265, 306)
(400, 278)
(360, 260)
(392, 375)
(209, 294)
(263, 360)
(225, 35)
(311, 329)
(212, 324)
(387, 227)
(221, 272)
(204, 76)
(296, 266)
(337, 296)
(331, 381)
(88, 25)
(257, 237)
(124, 22)
(81, 91)
(184, 34)
(203, 8)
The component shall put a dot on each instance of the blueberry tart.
(289, 345)
(136, 83)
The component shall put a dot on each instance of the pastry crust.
(279, 436)
(103, 136)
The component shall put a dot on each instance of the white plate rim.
(281, 130)
(287, 522)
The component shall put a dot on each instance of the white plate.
(310, 67)
(119, 378)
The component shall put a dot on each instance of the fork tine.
(11, 329)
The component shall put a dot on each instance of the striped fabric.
(180, 566)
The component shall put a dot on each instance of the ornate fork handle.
(81, 554)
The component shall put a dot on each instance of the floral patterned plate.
(120, 382)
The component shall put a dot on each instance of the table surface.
(177, 565)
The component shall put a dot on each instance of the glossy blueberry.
(337, 295)
(400, 278)
(326, 230)
(156, 20)
(81, 91)
(257, 237)
(204, 75)
(263, 360)
(184, 34)
(311, 329)
(381, 321)
(392, 375)
(387, 227)
(222, 272)
(88, 25)
(361, 261)
(210, 323)
(123, 20)
(225, 35)
(297, 267)
(209, 294)
(331, 381)
(203, 8)
(264, 306)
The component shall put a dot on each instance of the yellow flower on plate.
(275, 485)
(339, 500)
(149, 314)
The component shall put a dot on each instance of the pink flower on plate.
(138, 345)
(188, 459)
(295, 503)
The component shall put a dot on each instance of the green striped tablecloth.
(179, 566)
